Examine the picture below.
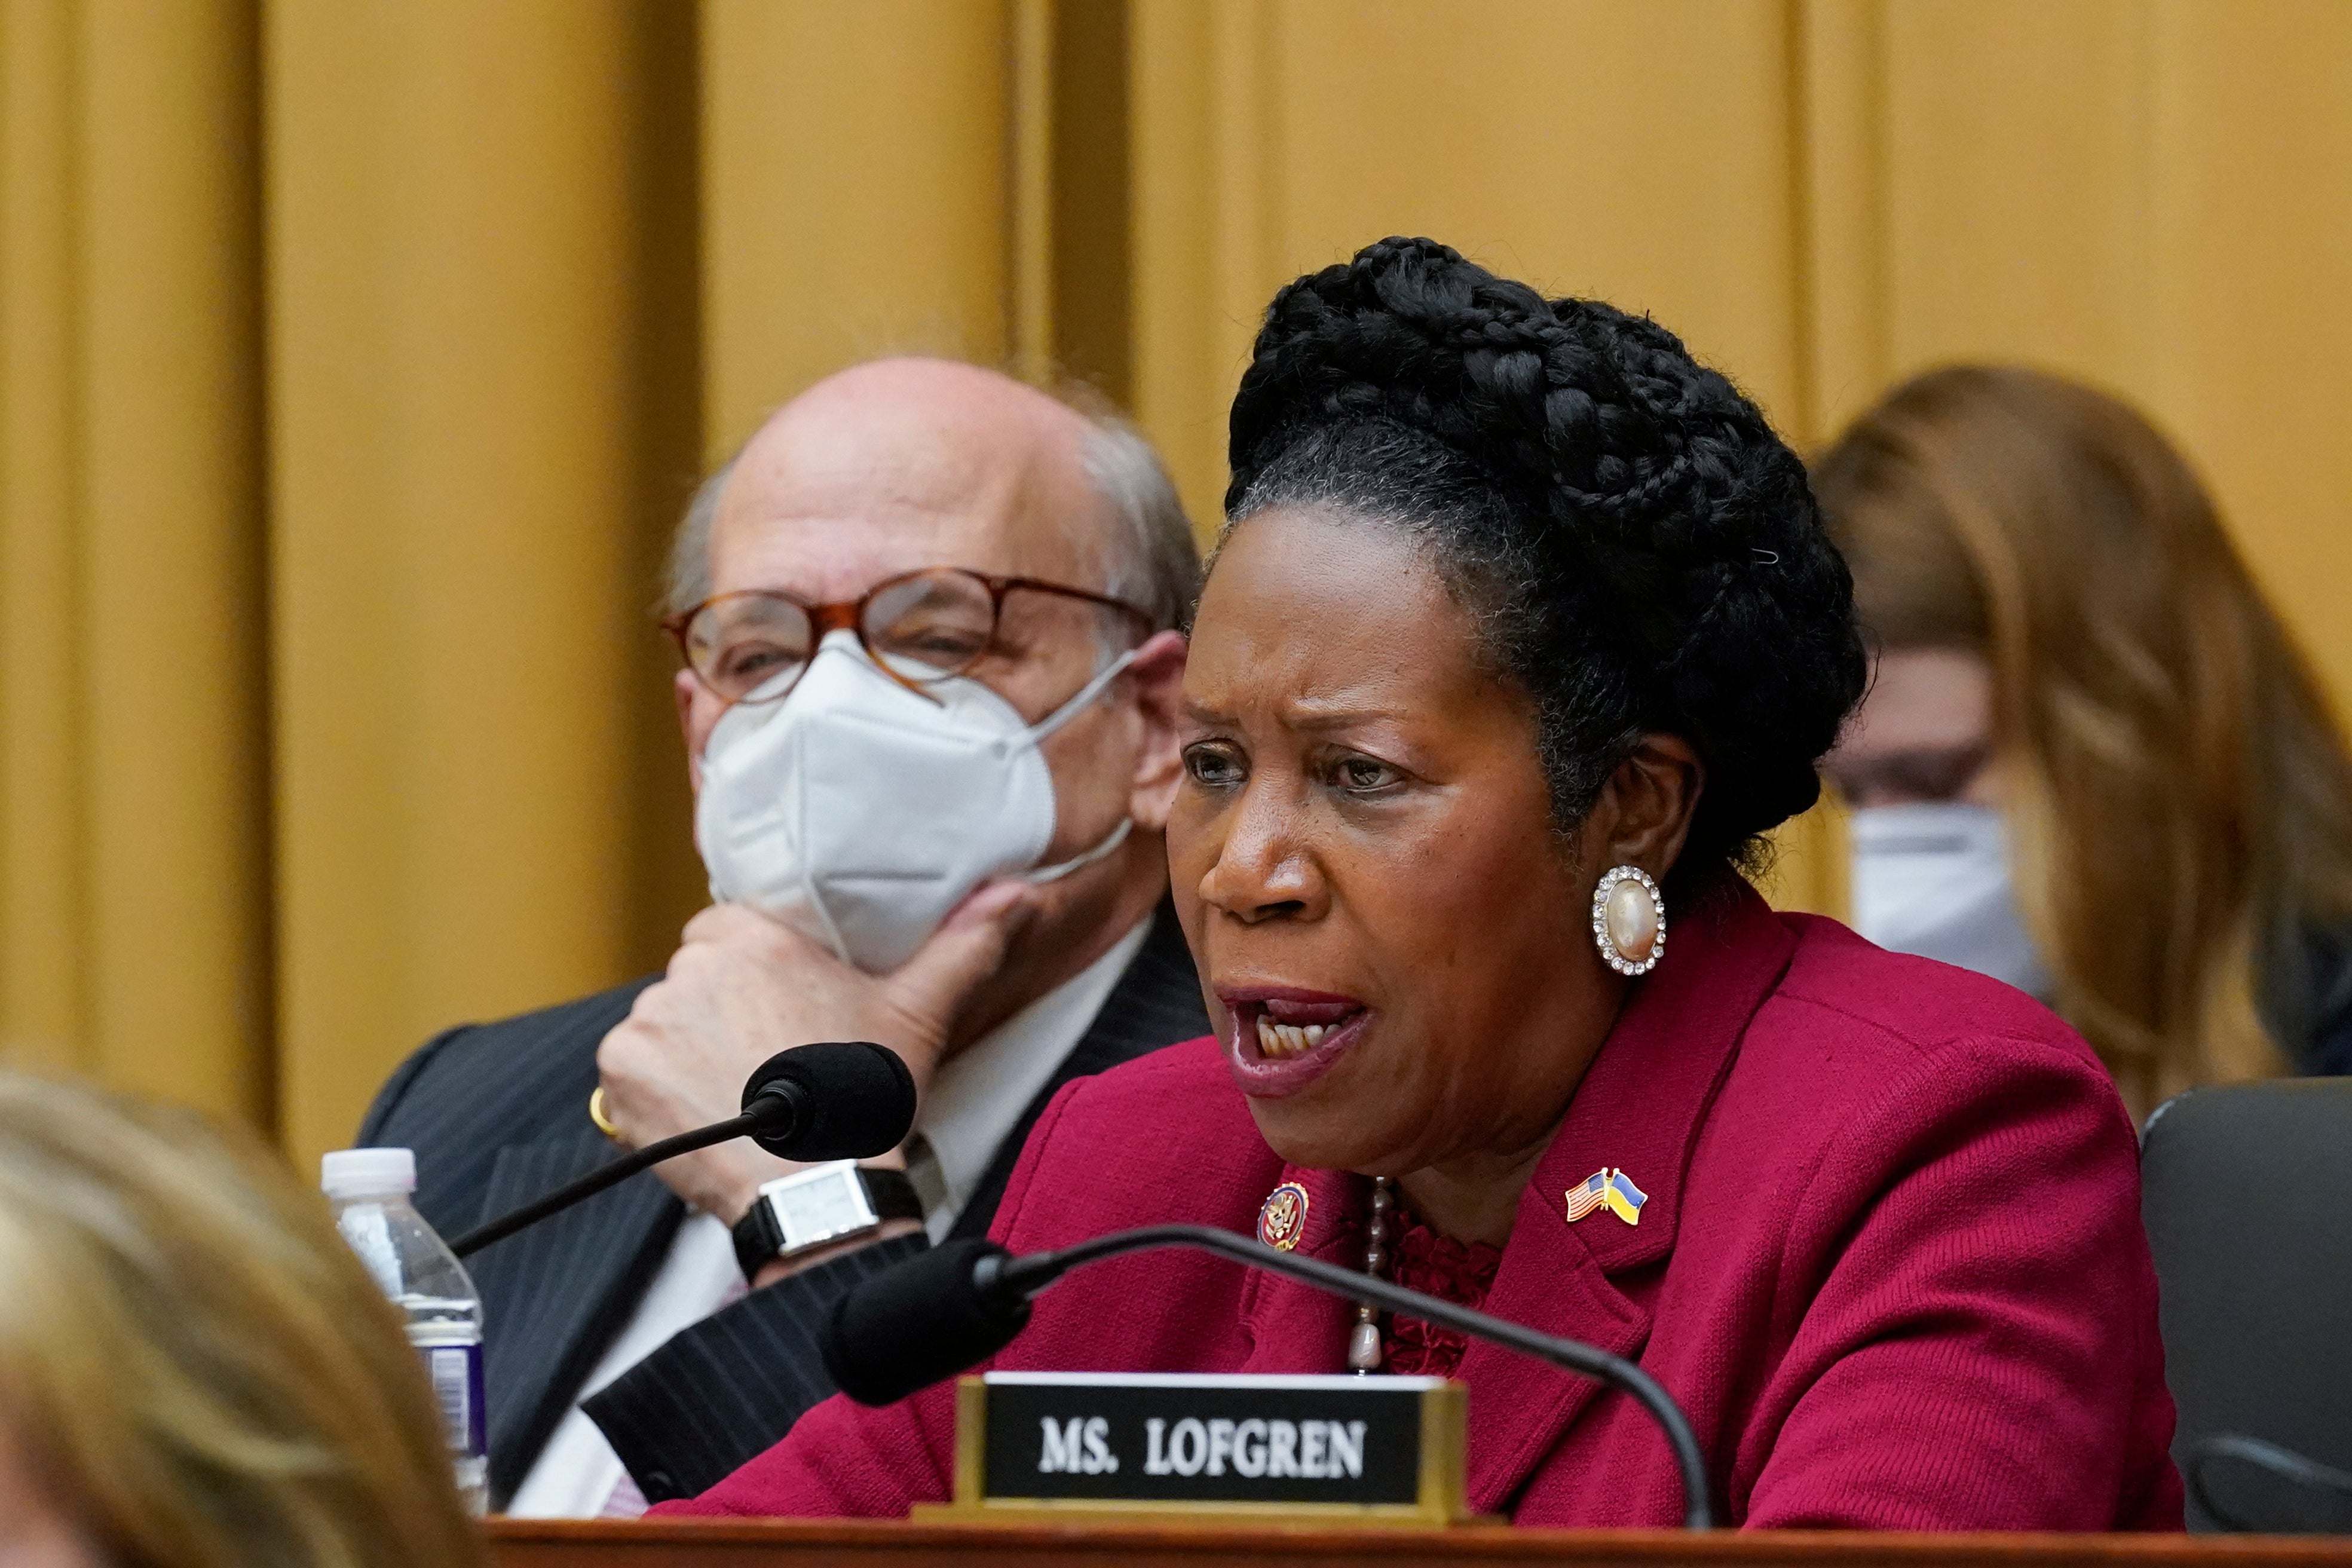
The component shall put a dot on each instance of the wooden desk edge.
(536, 1539)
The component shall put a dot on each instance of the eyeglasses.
(918, 627)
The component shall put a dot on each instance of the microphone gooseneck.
(951, 1307)
(836, 1099)
(606, 1176)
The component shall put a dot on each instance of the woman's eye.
(1364, 774)
(1212, 765)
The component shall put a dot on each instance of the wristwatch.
(808, 1209)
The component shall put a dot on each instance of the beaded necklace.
(1364, 1349)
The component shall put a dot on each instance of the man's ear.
(1645, 809)
(1157, 679)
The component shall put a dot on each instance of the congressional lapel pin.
(1282, 1220)
(1607, 1188)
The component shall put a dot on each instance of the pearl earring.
(1629, 921)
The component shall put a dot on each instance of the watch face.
(825, 1204)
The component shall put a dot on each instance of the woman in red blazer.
(1523, 628)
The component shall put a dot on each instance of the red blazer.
(1891, 1262)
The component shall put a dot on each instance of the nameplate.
(1383, 1450)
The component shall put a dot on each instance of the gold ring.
(596, 1115)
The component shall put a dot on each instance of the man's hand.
(744, 987)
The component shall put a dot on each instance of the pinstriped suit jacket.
(497, 1113)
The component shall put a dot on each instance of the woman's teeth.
(1285, 1039)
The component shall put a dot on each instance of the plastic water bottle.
(370, 1188)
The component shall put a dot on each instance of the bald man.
(914, 560)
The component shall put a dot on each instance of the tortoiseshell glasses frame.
(918, 627)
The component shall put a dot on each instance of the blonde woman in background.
(2092, 762)
(195, 1371)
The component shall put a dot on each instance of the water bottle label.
(457, 1374)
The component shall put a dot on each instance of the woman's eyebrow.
(1200, 713)
(1308, 714)
(1299, 713)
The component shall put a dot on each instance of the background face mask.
(861, 813)
(1933, 879)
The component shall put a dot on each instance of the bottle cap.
(367, 1172)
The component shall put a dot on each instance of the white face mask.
(862, 814)
(1933, 879)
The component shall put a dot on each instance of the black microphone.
(841, 1099)
(838, 1099)
(959, 1303)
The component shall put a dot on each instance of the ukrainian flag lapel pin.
(1607, 1188)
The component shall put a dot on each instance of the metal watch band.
(759, 1234)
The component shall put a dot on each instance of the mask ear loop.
(1055, 720)
(1079, 701)
(1085, 858)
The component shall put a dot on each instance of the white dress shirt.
(975, 1099)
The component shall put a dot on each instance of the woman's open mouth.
(1284, 1039)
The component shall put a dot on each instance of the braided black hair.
(1636, 546)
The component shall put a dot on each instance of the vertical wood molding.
(1092, 219)
(1031, 108)
(1839, 86)
(1207, 179)
(1178, 337)
(171, 658)
(1245, 113)
(665, 875)
(1838, 184)
(42, 908)
(856, 199)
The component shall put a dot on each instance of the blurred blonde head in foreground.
(2177, 806)
(193, 1369)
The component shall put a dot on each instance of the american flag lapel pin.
(1607, 1188)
